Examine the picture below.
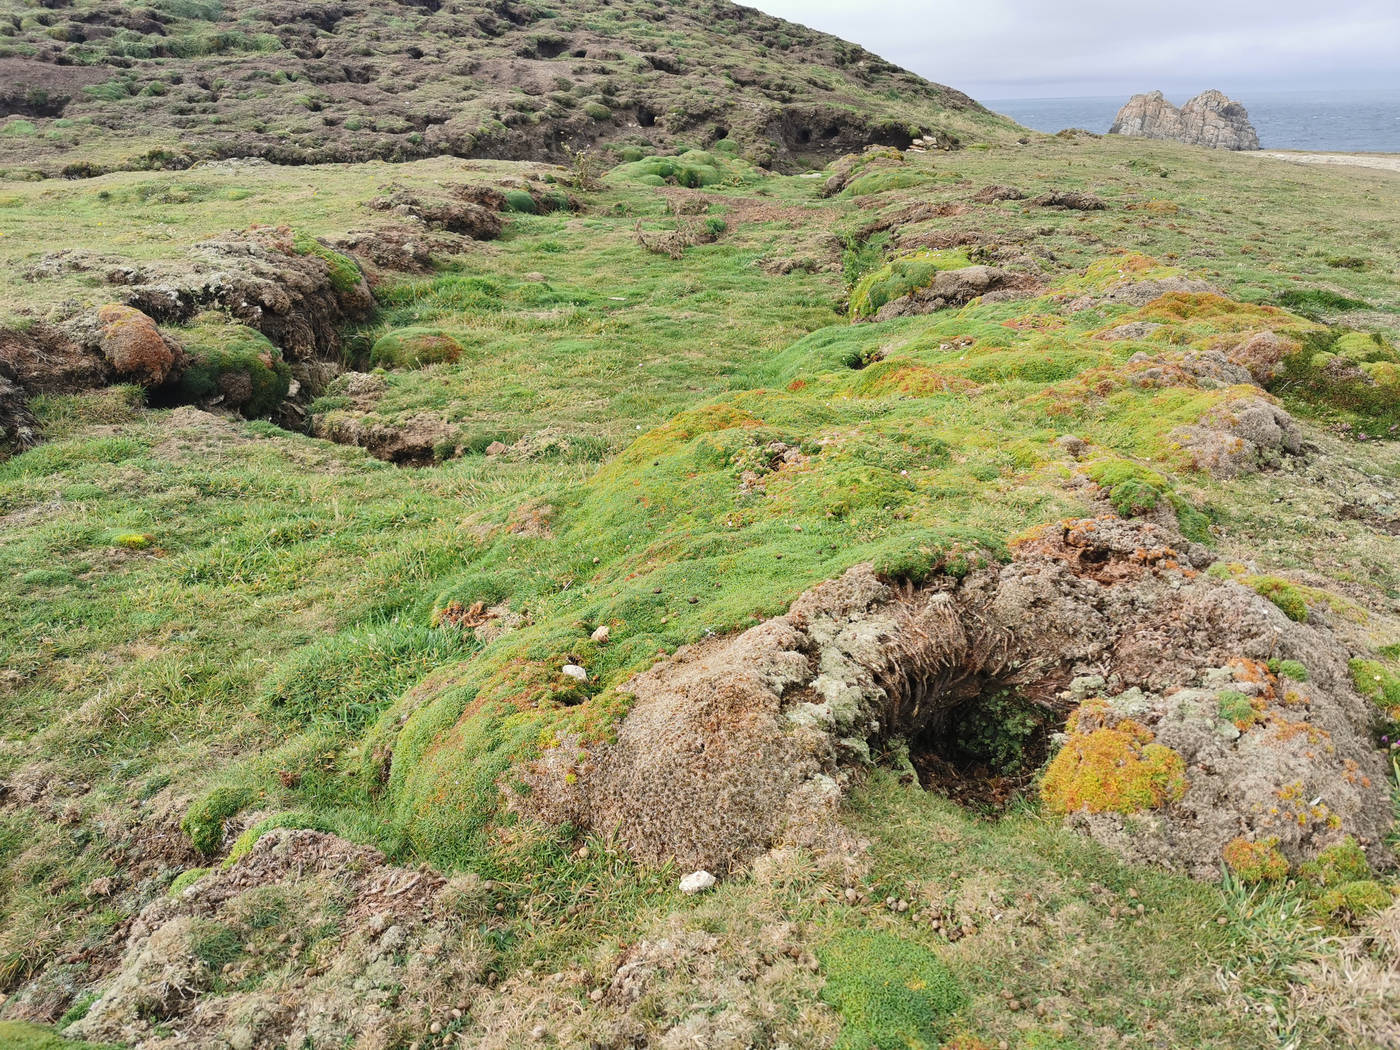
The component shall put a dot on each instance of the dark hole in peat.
(985, 752)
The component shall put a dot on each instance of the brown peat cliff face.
(1211, 119)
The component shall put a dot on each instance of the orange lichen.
(1114, 769)
(1255, 862)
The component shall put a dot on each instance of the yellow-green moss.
(892, 994)
(1115, 769)
(1340, 863)
(1353, 900)
(899, 277)
(1255, 862)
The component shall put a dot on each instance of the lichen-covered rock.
(1240, 437)
(1211, 119)
(1262, 353)
(736, 743)
(1140, 293)
(135, 347)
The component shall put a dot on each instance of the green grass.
(273, 652)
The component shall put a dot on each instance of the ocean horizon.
(1344, 121)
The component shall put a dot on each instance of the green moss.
(1291, 669)
(1135, 489)
(519, 200)
(236, 363)
(1236, 708)
(892, 993)
(1350, 901)
(185, 880)
(1340, 863)
(1287, 596)
(883, 181)
(692, 168)
(204, 820)
(414, 347)
(344, 272)
(899, 277)
(1354, 374)
(1378, 683)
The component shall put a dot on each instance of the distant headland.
(1210, 119)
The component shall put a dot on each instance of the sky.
(1003, 49)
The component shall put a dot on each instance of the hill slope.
(99, 84)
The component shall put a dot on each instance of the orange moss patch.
(914, 380)
(1255, 862)
(1114, 769)
(133, 344)
(1216, 311)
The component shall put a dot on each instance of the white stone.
(697, 882)
(575, 671)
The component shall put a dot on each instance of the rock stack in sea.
(1210, 119)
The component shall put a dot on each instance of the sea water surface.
(1342, 121)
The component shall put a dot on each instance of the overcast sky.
(1031, 49)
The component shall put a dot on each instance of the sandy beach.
(1383, 161)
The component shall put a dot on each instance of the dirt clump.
(43, 359)
(996, 194)
(736, 743)
(415, 441)
(398, 247)
(1141, 293)
(1070, 200)
(951, 288)
(1262, 353)
(19, 430)
(454, 215)
(308, 939)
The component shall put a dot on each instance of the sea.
(1335, 121)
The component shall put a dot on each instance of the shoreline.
(1375, 161)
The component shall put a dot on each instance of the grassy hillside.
(651, 410)
(91, 85)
